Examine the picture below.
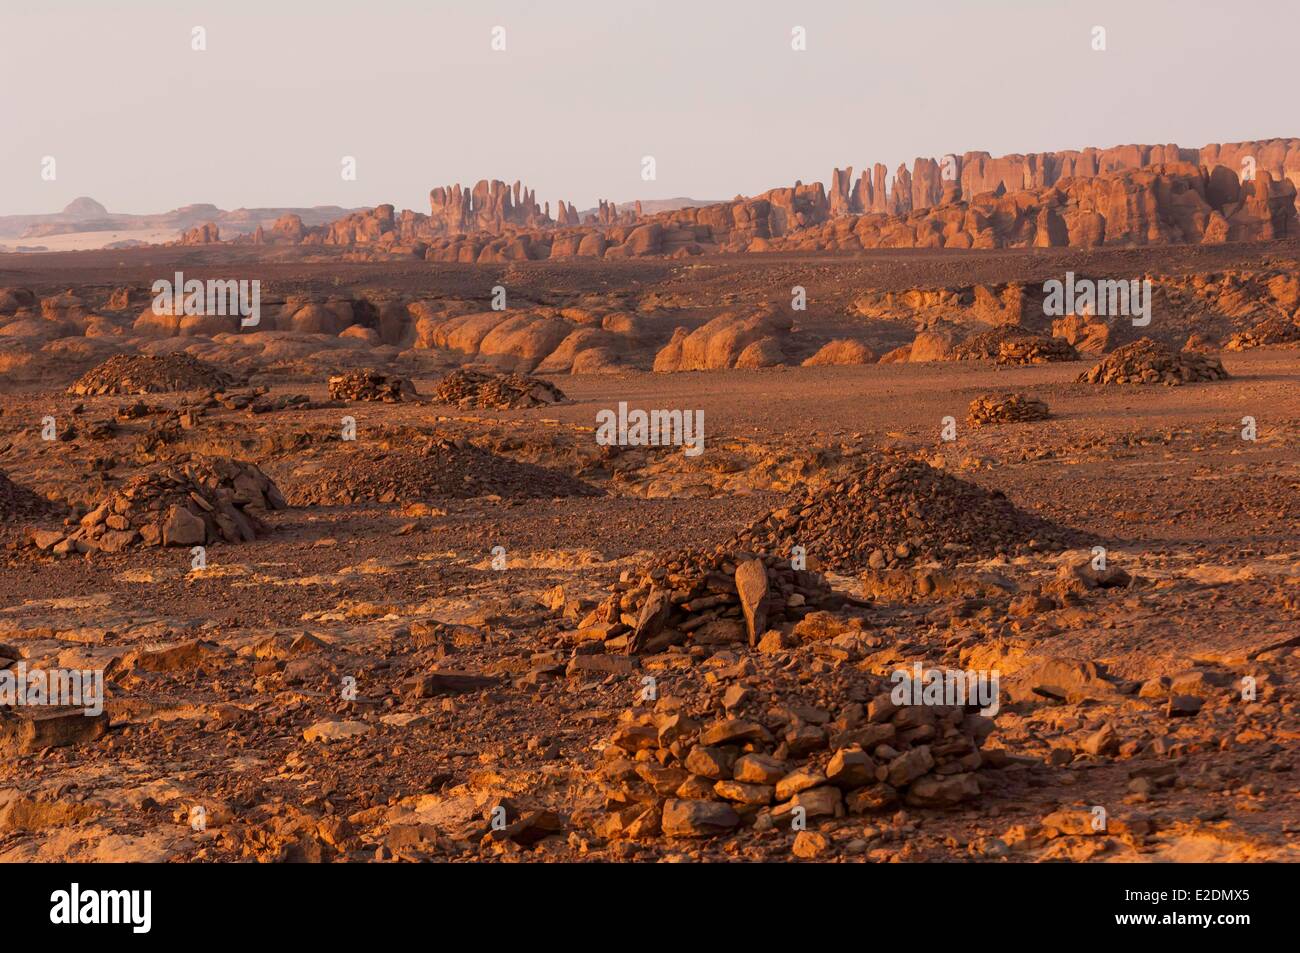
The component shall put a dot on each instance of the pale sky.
(711, 88)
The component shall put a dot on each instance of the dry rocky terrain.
(435, 619)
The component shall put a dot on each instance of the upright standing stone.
(651, 620)
(751, 583)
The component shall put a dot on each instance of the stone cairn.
(468, 388)
(1005, 408)
(1273, 331)
(409, 469)
(1036, 349)
(184, 504)
(713, 597)
(670, 774)
(1011, 344)
(890, 512)
(1149, 362)
(146, 374)
(371, 385)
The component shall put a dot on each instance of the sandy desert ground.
(89, 241)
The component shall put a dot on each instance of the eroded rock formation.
(1126, 195)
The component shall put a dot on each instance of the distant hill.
(84, 208)
(84, 214)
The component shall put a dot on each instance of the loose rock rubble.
(469, 388)
(183, 504)
(370, 385)
(899, 511)
(17, 501)
(1005, 408)
(1149, 362)
(680, 776)
(715, 598)
(143, 374)
(255, 401)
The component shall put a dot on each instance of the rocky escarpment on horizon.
(1127, 195)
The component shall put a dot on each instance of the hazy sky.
(711, 88)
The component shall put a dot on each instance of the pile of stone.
(665, 773)
(1012, 344)
(1149, 362)
(711, 597)
(469, 388)
(895, 511)
(1005, 409)
(145, 374)
(1036, 349)
(371, 385)
(1270, 332)
(427, 470)
(191, 503)
(17, 502)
